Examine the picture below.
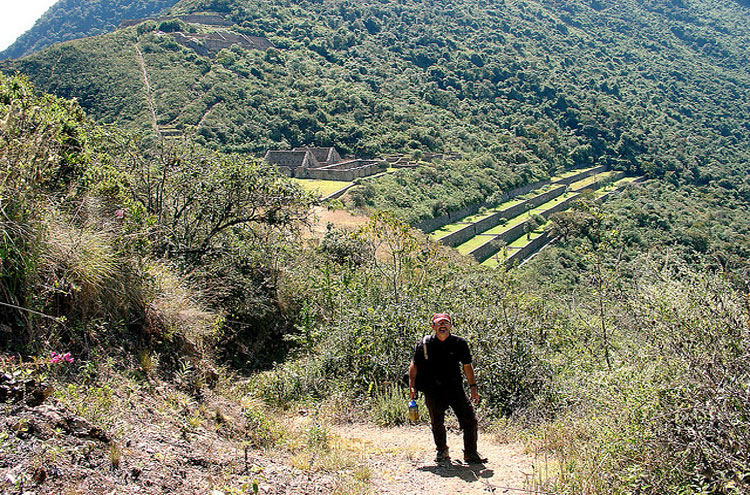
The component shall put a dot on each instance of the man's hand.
(412, 380)
(469, 372)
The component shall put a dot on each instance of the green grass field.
(474, 243)
(448, 229)
(322, 187)
(571, 172)
(591, 180)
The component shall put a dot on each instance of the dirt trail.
(149, 96)
(401, 461)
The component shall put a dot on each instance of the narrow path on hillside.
(149, 99)
(401, 461)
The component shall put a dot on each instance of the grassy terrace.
(474, 243)
(571, 172)
(322, 187)
(494, 209)
(478, 240)
(615, 185)
(500, 257)
(509, 224)
(452, 227)
(523, 240)
(514, 246)
(591, 180)
(448, 229)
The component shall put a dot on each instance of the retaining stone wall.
(527, 250)
(598, 184)
(464, 234)
(340, 192)
(430, 224)
(344, 175)
(582, 175)
(562, 205)
(515, 210)
(486, 250)
(460, 236)
(435, 223)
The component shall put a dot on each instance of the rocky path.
(401, 461)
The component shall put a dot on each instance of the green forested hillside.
(171, 273)
(74, 19)
(521, 89)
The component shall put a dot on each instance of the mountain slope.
(73, 19)
(522, 90)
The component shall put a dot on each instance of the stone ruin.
(207, 44)
(322, 163)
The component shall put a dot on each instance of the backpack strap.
(424, 345)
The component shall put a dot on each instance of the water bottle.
(413, 410)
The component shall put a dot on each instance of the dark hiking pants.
(437, 405)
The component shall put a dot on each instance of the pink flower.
(57, 358)
(120, 214)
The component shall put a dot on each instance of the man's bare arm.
(412, 380)
(469, 372)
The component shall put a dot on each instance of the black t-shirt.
(443, 365)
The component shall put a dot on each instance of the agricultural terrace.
(507, 251)
(592, 180)
(322, 187)
(455, 226)
(522, 240)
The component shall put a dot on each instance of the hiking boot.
(442, 456)
(474, 458)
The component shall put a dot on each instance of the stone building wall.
(349, 174)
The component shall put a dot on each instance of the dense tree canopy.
(521, 90)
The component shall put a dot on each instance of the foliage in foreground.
(107, 237)
(631, 370)
(635, 377)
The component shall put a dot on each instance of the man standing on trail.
(438, 360)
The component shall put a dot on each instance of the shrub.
(146, 27)
(389, 407)
(172, 25)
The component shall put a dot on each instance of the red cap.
(441, 316)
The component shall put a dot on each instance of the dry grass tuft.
(78, 267)
(176, 310)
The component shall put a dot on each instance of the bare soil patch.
(322, 216)
(402, 462)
